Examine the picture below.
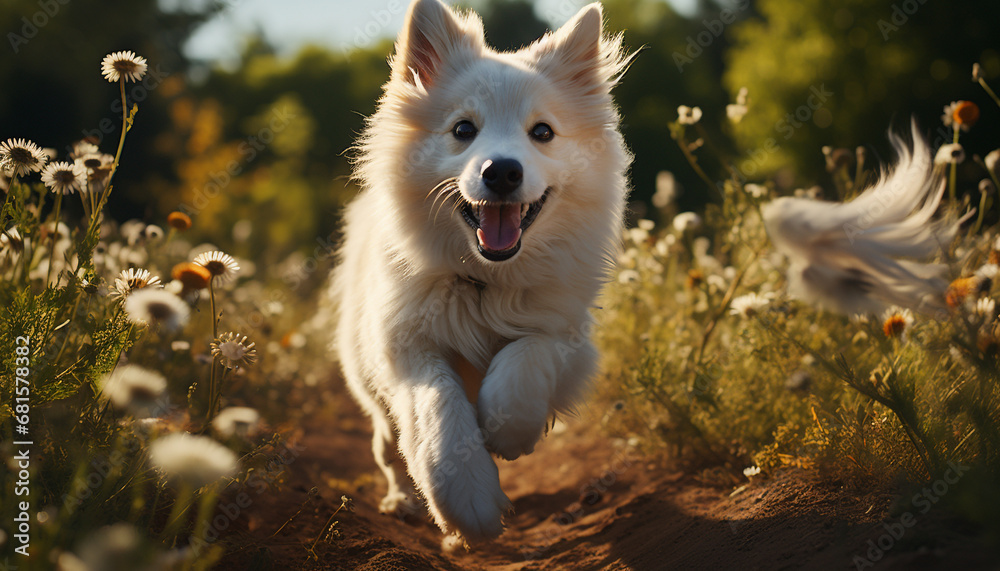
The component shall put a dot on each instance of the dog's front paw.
(467, 496)
(510, 427)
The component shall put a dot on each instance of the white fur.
(412, 292)
(871, 252)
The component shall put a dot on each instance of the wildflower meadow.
(837, 326)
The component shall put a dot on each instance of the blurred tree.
(268, 144)
(53, 90)
(511, 24)
(680, 65)
(838, 73)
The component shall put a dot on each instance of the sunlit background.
(223, 72)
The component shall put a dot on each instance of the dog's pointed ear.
(431, 36)
(579, 53)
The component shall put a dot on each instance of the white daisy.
(687, 222)
(950, 153)
(688, 115)
(986, 307)
(64, 177)
(736, 111)
(155, 307)
(236, 421)
(991, 160)
(123, 65)
(98, 165)
(666, 189)
(196, 460)
(748, 305)
(83, 147)
(233, 350)
(628, 276)
(136, 390)
(896, 321)
(19, 156)
(133, 279)
(222, 266)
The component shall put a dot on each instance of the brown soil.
(582, 501)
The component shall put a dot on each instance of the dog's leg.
(440, 440)
(526, 381)
(400, 498)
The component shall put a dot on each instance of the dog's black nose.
(502, 176)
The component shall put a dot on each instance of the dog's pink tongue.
(499, 226)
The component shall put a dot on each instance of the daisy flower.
(688, 115)
(135, 389)
(152, 233)
(151, 307)
(991, 160)
(962, 288)
(960, 115)
(219, 264)
(736, 111)
(628, 276)
(234, 351)
(123, 66)
(64, 177)
(179, 220)
(196, 460)
(192, 276)
(895, 322)
(952, 153)
(98, 165)
(666, 189)
(687, 221)
(236, 420)
(82, 148)
(986, 307)
(19, 156)
(132, 279)
(748, 305)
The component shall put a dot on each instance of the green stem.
(3, 213)
(693, 161)
(953, 176)
(989, 91)
(55, 232)
(121, 143)
(982, 212)
(114, 167)
(206, 507)
(181, 504)
(212, 388)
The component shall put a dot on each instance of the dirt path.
(582, 501)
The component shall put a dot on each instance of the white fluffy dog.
(492, 203)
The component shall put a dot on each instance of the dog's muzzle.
(499, 225)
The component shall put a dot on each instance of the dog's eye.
(464, 130)
(542, 133)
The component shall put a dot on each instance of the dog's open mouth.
(499, 225)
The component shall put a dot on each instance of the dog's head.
(503, 153)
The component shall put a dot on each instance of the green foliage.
(707, 358)
(878, 60)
